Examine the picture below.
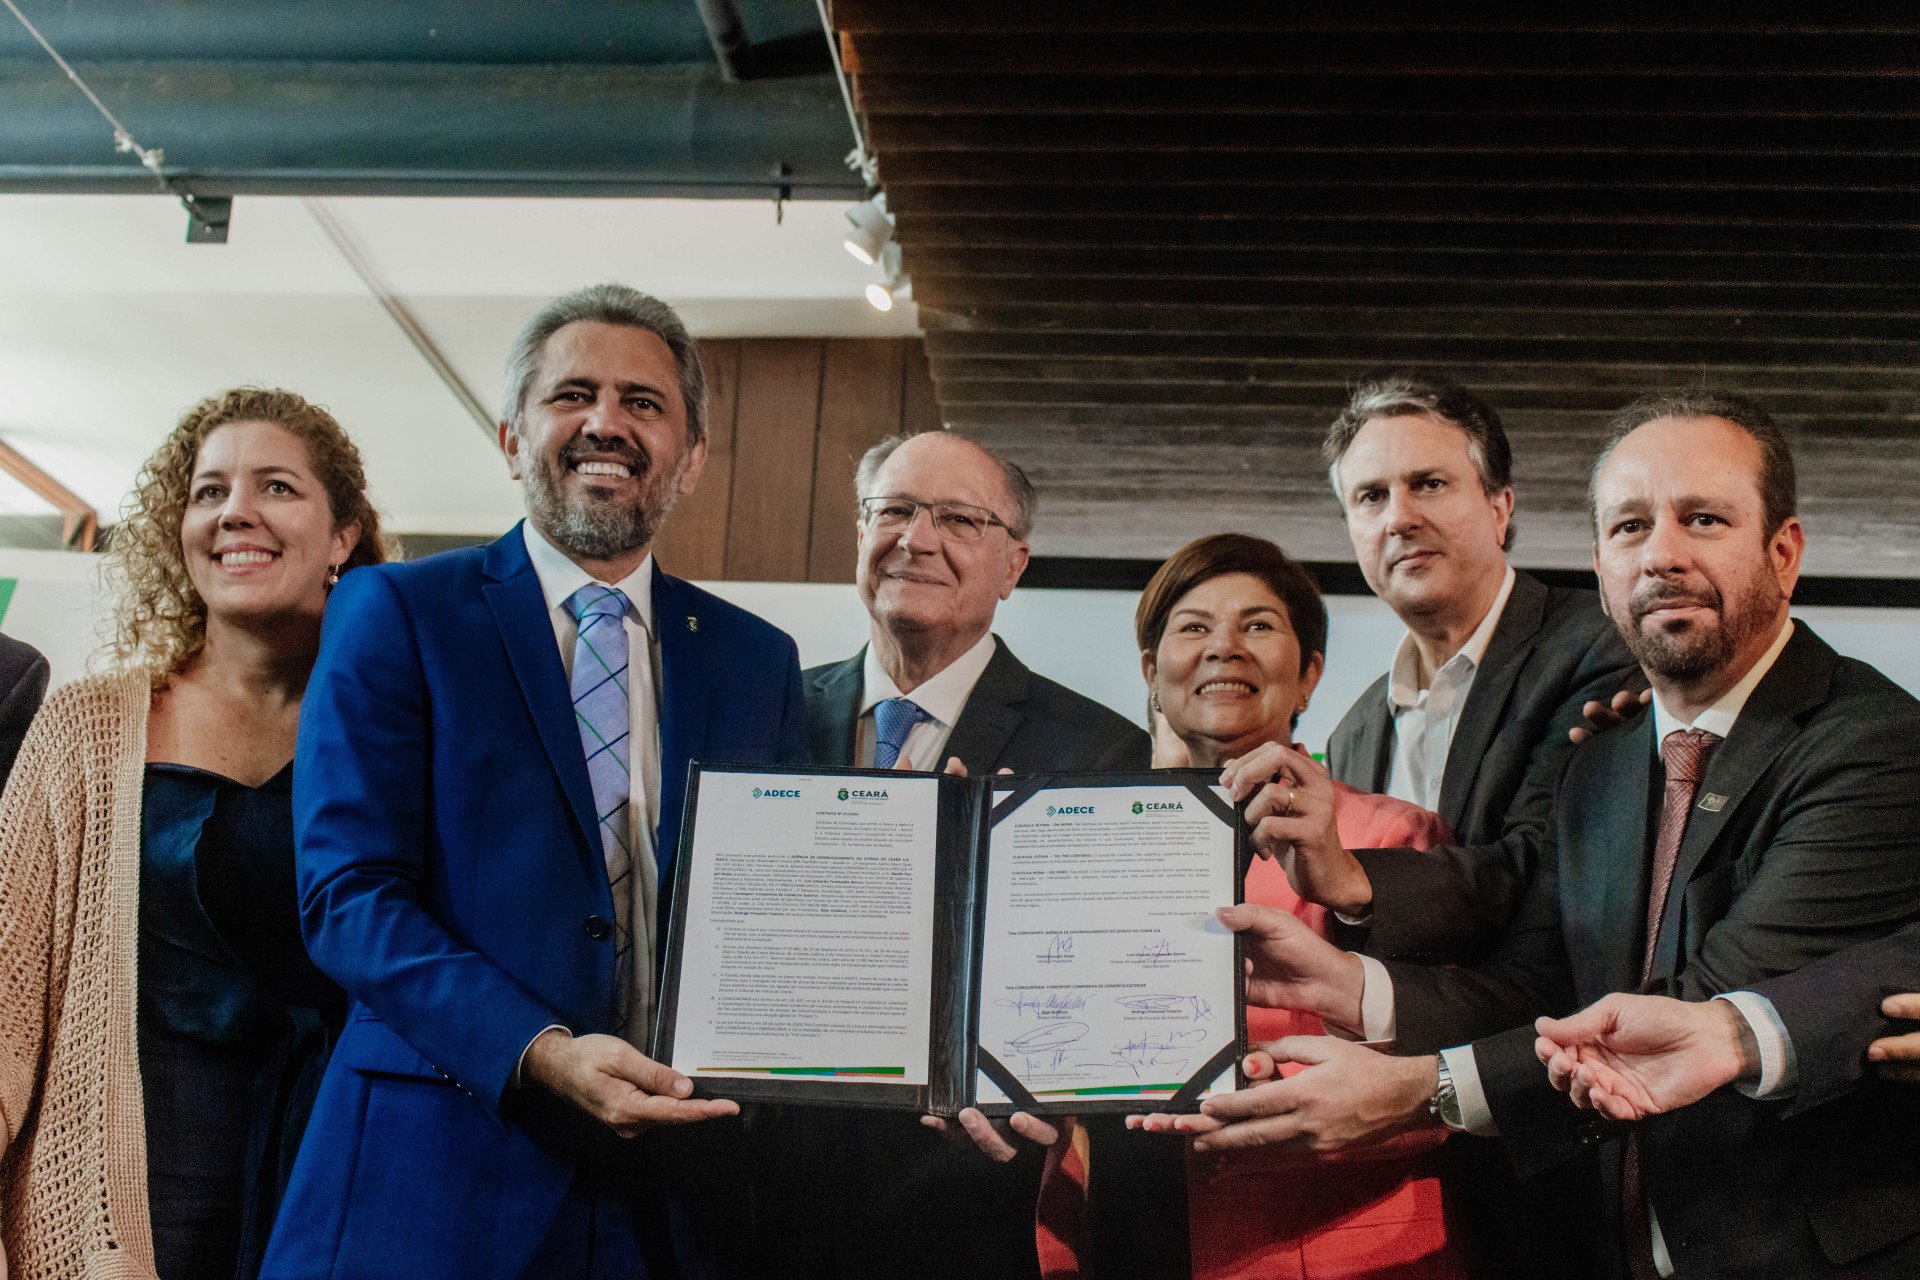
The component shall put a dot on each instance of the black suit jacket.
(1013, 719)
(23, 682)
(1831, 1010)
(876, 1194)
(1552, 651)
(1812, 845)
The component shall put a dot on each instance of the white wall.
(1083, 639)
(56, 606)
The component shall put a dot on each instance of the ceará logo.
(776, 793)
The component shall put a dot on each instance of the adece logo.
(776, 793)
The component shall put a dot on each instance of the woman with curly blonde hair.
(161, 1028)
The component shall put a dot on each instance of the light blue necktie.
(605, 720)
(894, 719)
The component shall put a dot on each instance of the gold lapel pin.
(693, 623)
(1713, 803)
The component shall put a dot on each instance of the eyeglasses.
(956, 521)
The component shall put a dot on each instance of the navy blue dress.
(235, 1022)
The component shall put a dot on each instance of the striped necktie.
(605, 719)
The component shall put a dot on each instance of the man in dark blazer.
(23, 683)
(485, 884)
(1422, 469)
(930, 592)
(1773, 801)
(1472, 719)
(943, 529)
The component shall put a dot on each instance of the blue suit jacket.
(448, 863)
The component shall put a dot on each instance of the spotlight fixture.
(882, 296)
(872, 229)
(895, 284)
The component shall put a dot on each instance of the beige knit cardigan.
(73, 1176)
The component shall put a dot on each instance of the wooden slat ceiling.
(1153, 245)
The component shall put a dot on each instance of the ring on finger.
(1289, 810)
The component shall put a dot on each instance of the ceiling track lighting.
(897, 285)
(872, 229)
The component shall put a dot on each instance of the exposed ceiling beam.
(79, 522)
(376, 128)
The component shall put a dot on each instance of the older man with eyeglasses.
(943, 524)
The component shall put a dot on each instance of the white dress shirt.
(942, 698)
(559, 578)
(1424, 720)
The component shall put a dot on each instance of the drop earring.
(333, 576)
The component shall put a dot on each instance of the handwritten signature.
(1060, 948)
(1158, 1050)
(1169, 1006)
(1161, 951)
(1057, 1060)
(1051, 1035)
(1053, 1004)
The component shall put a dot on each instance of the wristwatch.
(1444, 1105)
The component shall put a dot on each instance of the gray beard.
(597, 529)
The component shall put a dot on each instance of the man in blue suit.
(488, 791)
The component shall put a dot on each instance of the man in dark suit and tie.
(487, 792)
(943, 525)
(23, 682)
(1765, 815)
(1471, 720)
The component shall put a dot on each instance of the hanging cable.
(859, 160)
(123, 140)
(207, 216)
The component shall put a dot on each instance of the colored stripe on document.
(812, 1071)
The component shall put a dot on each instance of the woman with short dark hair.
(1232, 636)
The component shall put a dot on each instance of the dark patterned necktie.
(1683, 753)
(893, 720)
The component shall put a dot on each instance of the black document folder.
(831, 932)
